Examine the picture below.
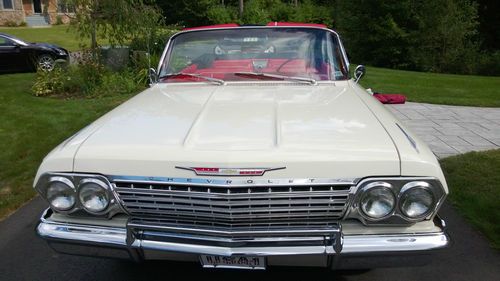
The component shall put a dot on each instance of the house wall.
(16, 15)
(53, 13)
(23, 8)
(28, 7)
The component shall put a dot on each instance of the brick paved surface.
(451, 130)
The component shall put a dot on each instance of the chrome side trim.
(394, 243)
(410, 139)
(75, 233)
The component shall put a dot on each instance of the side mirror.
(359, 72)
(153, 76)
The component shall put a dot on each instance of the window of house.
(8, 4)
(65, 8)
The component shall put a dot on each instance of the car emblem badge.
(211, 171)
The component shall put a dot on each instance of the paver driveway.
(450, 130)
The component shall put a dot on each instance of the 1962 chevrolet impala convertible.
(252, 148)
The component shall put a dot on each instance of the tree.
(445, 38)
(241, 7)
(118, 21)
(489, 23)
(438, 35)
(188, 12)
(376, 31)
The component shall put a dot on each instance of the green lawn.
(435, 88)
(474, 181)
(58, 34)
(30, 127)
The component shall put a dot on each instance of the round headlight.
(378, 200)
(93, 195)
(416, 201)
(61, 194)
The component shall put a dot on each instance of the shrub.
(140, 64)
(52, 83)
(11, 23)
(489, 64)
(59, 20)
(87, 79)
(116, 83)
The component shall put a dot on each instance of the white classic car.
(252, 148)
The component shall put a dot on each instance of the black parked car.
(17, 55)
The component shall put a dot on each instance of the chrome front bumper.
(326, 248)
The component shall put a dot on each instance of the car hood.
(47, 46)
(313, 131)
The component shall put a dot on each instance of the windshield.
(244, 54)
(17, 40)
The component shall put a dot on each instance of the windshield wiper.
(211, 79)
(278, 76)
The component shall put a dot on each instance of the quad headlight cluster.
(70, 193)
(393, 201)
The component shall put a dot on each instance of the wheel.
(46, 63)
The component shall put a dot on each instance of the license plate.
(241, 262)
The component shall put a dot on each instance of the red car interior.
(225, 69)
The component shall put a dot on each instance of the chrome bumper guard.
(318, 247)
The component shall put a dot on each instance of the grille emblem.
(212, 171)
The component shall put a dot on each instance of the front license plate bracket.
(238, 262)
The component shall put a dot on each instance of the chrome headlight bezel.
(399, 186)
(77, 181)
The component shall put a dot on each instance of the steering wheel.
(278, 70)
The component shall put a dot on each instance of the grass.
(435, 88)
(474, 181)
(60, 35)
(30, 127)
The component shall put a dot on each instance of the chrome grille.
(235, 206)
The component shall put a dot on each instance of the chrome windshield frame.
(167, 48)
